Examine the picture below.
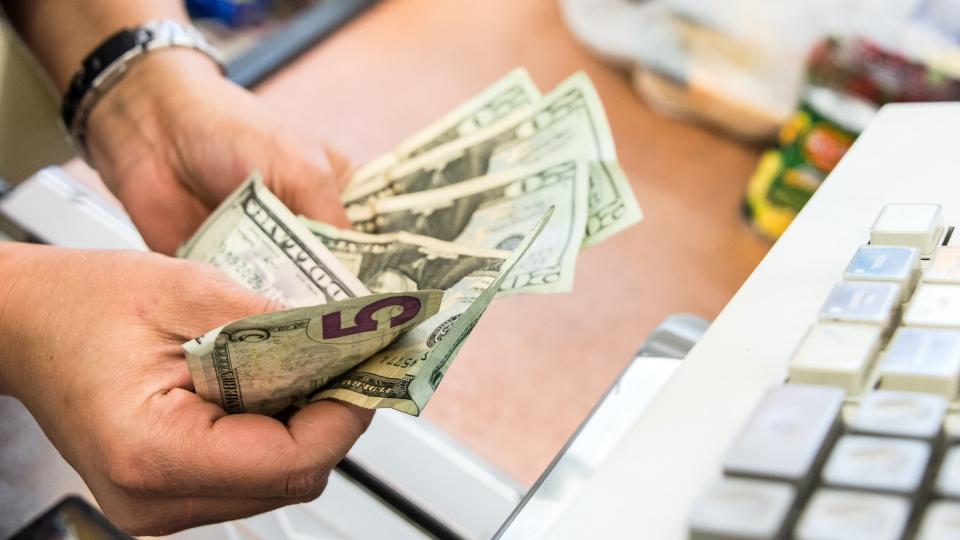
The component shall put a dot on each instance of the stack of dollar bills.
(499, 196)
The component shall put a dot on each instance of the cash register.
(822, 403)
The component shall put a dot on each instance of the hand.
(175, 137)
(91, 344)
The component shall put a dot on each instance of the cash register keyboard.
(863, 439)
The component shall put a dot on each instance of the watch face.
(71, 519)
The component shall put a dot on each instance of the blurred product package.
(813, 71)
(811, 143)
(861, 68)
(849, 79)
(738, 65)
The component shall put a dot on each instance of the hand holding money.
(170, 164)
(392, 354)
(258, 242)
(94, 354)
(268, 362)
(454, 215)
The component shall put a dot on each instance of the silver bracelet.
(109, 63)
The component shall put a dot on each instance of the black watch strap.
(105, 54)
(110, 61)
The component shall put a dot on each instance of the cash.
(268, 362)
(495, 211)
(510, 95)
(405, 374)
(349, 349)
(261, 244)
(453, 216)
(568, 123)
(399, 262)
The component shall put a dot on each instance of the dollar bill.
(259, 243)
(265, 363)
(510, 95)
(400, 262)
(405, 374)
(567, 123)
(496, 211)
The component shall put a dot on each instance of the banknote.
(400, 262)
(567, 123)
(510, 95)
(265, 363)
(405, 374)
(259, 243)
(495, 211)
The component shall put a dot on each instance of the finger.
(308, 189)
(161, 516)
(205, 452)
(166, 215)
(342, 168)
(310, 426)
(208, 299)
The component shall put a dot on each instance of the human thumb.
(309, 187)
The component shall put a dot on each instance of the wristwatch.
(108, 64)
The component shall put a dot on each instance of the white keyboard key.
(916, 225)
(836, 354)
(898, 264)
(861, 302)
(877, 464)
(934, 306)
(945, 267)
(900, 414)
(848, 515)
(787, 433)
(736, 508)
(948, 477)
(951, 426)
(941, 521)
(922, 360)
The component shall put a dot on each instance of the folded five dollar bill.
(268, 362)
(405, 374)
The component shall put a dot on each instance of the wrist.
(138, 114)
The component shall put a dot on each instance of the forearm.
(62, 32)
(16, 266)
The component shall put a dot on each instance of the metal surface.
(588, 448)
(603, 429)
(408, 457)
(674, 337)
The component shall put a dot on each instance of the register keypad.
(863, 441)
